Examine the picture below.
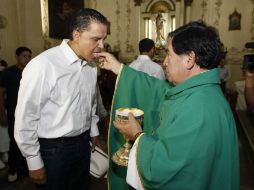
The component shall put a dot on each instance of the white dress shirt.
(101, 110)
(57, 98)
(145, 64)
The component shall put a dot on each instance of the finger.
(101, 54)
(116, 124)
(99, 145)
(94, 142)
(101, 62)
(119, 127)
(119, 124)
(131, 117)
(101, 59)
(93, 148)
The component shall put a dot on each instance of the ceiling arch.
(155, 6)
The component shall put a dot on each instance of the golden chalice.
(121, 157)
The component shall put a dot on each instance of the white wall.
(234, 40)
(124, 18)
(24, 26)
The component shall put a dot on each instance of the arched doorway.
(158, 20)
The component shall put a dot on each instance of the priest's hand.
(130, 128)
(108, 61)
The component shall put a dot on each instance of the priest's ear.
(191, 60)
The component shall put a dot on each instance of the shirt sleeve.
(31, 97)
(133, 178)
(102, 112)
(95, 118)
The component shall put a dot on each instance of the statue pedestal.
(160, 54)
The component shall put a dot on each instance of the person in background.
(144, 61)
(188, 139)
(224, 72)
(9, 86)
(3, 65)
(249, 88)
(57, 103)
(4, 137)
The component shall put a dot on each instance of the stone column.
(187, 10)
(178, 13)
(146, 19)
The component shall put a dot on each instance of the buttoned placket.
(82, 93)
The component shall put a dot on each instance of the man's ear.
(191, 60)
(151, 52)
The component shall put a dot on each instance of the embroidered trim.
(137, 135)
(111, 110)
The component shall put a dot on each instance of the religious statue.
(159, 23)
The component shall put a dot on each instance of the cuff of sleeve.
(35, 162)
(137, 139)
(94, 131)
(133, 178)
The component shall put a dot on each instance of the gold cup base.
(121, 157)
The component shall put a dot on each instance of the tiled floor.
(25, 184)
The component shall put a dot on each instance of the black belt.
(65, 139)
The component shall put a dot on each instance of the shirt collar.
(146, 57)
(70, 54)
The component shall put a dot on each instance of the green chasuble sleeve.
(139, 90)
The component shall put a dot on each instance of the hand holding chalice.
(128, 121)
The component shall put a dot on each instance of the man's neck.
(147, 54)
(20, 66)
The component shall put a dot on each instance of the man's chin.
(93, 59)
(90, 59)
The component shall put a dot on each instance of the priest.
(188, 139)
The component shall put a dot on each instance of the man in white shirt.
(144, 61)
(56, 109)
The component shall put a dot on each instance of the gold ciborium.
(121, 157)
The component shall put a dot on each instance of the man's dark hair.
(83, 18)
(21, 49)
(3, 63)
(145, 45)
(203, 40)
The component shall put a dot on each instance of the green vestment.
(190, 140)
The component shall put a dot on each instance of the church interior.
(33, 23)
